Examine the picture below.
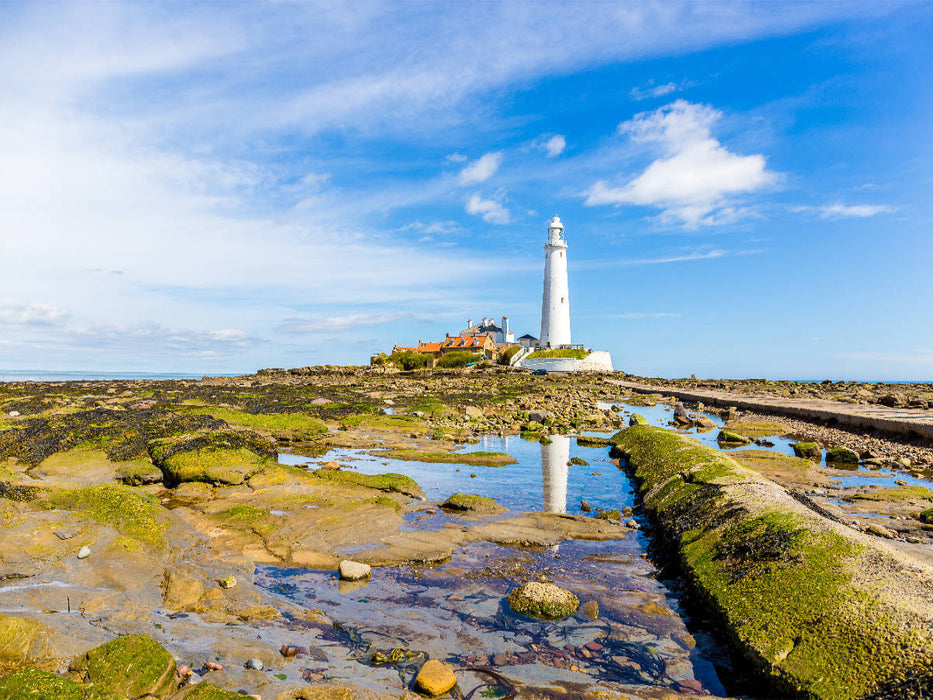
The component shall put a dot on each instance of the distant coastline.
(28, 375)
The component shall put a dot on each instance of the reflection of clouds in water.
(554, 458)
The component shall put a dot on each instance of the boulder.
(807, 450)
(471, 502)
(842, 455)
(33, 683)
(472, 413)
(25, 642)
(609, 515)
(543, 600)
(134, 665)
(727, 437)
(435, 678)
(637, 419)
(353, 570)
(539, 416)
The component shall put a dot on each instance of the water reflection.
(555, 456)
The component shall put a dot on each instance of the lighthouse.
(555, 303)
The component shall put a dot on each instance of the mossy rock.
(399, 483)
(926, 516)
(842, 455)
(472, 502)
(532, 426)
(807, 450)
(578, 461)
(727, 437)
(482, 459)
(134, 665)
(33, 684)
(25, 642)
(543, 600)
(783, 580)
(638, 419)
(138, 472)
(590, 441)
(896, 494)
(216, 457)
(282, 426)
(129, 512)
(609, 515)
(208, 691)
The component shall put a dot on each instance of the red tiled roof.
(428, 347)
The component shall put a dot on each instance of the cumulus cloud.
(482, 169)
(696, 175)
(491, 210)
(336, 324)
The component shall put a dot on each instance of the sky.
(221, 187)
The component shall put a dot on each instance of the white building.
(501, 334)
(555, 303)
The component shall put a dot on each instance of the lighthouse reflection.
(554, 469)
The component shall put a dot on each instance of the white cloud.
(336, 324)
(456, 158)
(491, 210)
(482, 169)
(696, 175)
(17, 314)
(645, 92)
(555, 146)
(859, 211)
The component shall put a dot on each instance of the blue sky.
(221, 187)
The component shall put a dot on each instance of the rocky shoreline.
(144, 508)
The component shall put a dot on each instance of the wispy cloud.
(838, 210)
(651, 90)
(679, 257)
(336, 324)
(695, 177)
(481, 169)
(492, 211)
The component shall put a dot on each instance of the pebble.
(435, 678)
(213, 666)
(194, 679)
(228, 582)
(254, 664)
(633, 524)
(84, 553)
(66, 534)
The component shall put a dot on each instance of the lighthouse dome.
(555, 223)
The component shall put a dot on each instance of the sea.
(28, 375)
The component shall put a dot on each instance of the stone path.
(894, 421)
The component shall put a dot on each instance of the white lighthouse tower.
(555, 304)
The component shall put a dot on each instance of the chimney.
(469, 323)
(505, 328)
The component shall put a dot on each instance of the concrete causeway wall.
(894, 421)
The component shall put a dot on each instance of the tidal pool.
(639, 642)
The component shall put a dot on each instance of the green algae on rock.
(726, 437)
(25, 642)
(398, 483)
(842, 455)
(131, 513)
(208, 691)
(543, 600)
(807, 450)
(472, 502)
(33, 684)
(822, 610)
(482, 459)
(215, 457)
(134, 665)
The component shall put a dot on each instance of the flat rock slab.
(895, 421)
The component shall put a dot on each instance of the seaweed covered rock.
(543, 600)
(727, 437)
(134, 665)
(208, 691)
(822, 610)
(807, 450)
(471, 502)
(398, 483)
(43, 685)
(215, 457)
(842, 455)
(24, 642)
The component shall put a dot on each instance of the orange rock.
(435, 678)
